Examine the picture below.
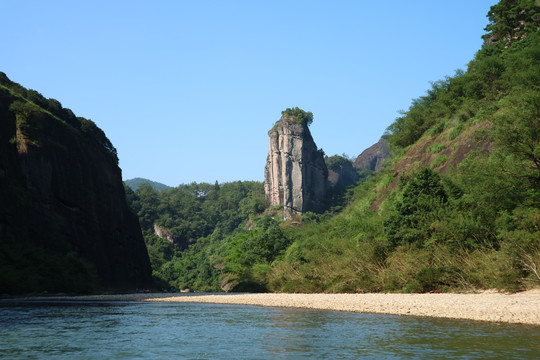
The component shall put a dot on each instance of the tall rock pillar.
(295, 172)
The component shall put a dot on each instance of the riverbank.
(518, 308)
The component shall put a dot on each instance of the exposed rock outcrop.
(64, 222)
(373, 157)
(163, 233)
(295, 172)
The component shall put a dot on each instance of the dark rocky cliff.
(64, 222)
(373, 157)
(341, 172)
(295, 172)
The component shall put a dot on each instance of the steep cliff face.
(373, 157)
(342, 174)
(295, 172)
(64, 221)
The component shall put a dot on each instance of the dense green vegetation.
(198, 216)
(299, 115)
(512, 20)
(474, 226)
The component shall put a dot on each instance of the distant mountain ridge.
(136, 182)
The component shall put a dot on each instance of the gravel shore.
(519, 308)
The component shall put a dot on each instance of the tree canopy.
(512, 19)
(299, 115)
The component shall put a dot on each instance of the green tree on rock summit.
(299, 115)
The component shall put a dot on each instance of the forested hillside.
(455, 208)
(196, 217)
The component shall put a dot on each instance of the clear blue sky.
(187, 90)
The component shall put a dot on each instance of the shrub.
(455, 132)
(423, 194)
(439, 160)
(437, 128)
(435, 148)
(432, 279)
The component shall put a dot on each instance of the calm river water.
(131, 330)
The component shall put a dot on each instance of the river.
(134, 330)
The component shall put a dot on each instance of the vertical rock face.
(295, 172)
(64, 222)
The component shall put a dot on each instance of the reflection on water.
(129, 330)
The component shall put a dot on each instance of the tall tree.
(512, 19)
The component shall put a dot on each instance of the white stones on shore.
(523, 308)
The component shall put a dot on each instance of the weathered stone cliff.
(295, 172)
(64, 222)
(373, 157)
(342, 174)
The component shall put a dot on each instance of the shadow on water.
(129, 330)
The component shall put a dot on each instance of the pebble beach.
(519, 308)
